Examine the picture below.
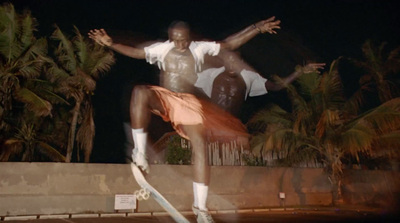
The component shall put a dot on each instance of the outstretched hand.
(268, 25)
(100, 36)
(312, 68)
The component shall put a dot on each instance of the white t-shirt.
(255, 83)
(156, 52)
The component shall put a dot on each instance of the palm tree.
(22, 57)
(381, 71)
(78, 65)
(25, 96)
(321, 127)
(28, 144)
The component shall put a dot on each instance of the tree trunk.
(337, 198)
(72, 130)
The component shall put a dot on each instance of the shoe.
(140, 160)
(195, 210)
(202, 216)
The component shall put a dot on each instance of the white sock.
(202, 192)
(195, 194)
(141, 142)
(134, 136)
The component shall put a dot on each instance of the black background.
(318, 30)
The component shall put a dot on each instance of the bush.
(178, 151)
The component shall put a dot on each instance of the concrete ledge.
(160, 214)
(54, 216)
(113, 215)
(277, 209)
(245, 211)
(66, 189)
(262, 210)
(20, 218)
(226, 212)
(187, 213)
(308, 210)
(138, 214)
(85, 215)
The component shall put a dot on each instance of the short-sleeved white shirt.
(255, 83)
(156, 52)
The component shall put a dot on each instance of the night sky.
(318, 30)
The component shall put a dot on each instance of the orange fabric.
(187, 109)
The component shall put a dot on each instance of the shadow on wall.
(297, 182)
(377, 188)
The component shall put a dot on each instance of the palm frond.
(93, 60)
(331, 89)
(393, 61)
(257, 143)
(357, 139)
(300, 155)
(46, 90)
(304, 98)
(10, 147)
(87, 84)
(65, 51)
(55, 73)
(8, 82)
(372, 55)
(379, 69)
(301, 113)
(9, 47)
(34, 103)
(102, 63)
(273, 114)
(81, 47)
(37, 51)
(299, 104)
(50, 152)
(280, 139)
(384, 118)
(308, 83)
(387, 144)
(365, 132)
(353, 104)
(28, 69)
(328, 120)
(28, 26)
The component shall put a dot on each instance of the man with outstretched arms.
(179, 59)
(230, 84)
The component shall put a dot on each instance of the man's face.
(232, 64)
(181, 38)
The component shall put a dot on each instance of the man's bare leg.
(201, 171)
(143, 100)
(201, 168)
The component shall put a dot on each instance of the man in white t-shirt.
(179, 60)
(229, 85)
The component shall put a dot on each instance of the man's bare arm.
(238, 39)
(101, 37)
(309, 68)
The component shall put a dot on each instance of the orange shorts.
(187, 109)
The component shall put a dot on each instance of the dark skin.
(229, 88)
(179, 76)
(228, 92)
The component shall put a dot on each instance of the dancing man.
(179, 60)
(230, 84)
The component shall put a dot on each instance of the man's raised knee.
(140, 91)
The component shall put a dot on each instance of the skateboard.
(148, 190)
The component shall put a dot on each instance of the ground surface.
(281, 216)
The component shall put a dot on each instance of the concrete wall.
(372, 188)
(60, 188)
